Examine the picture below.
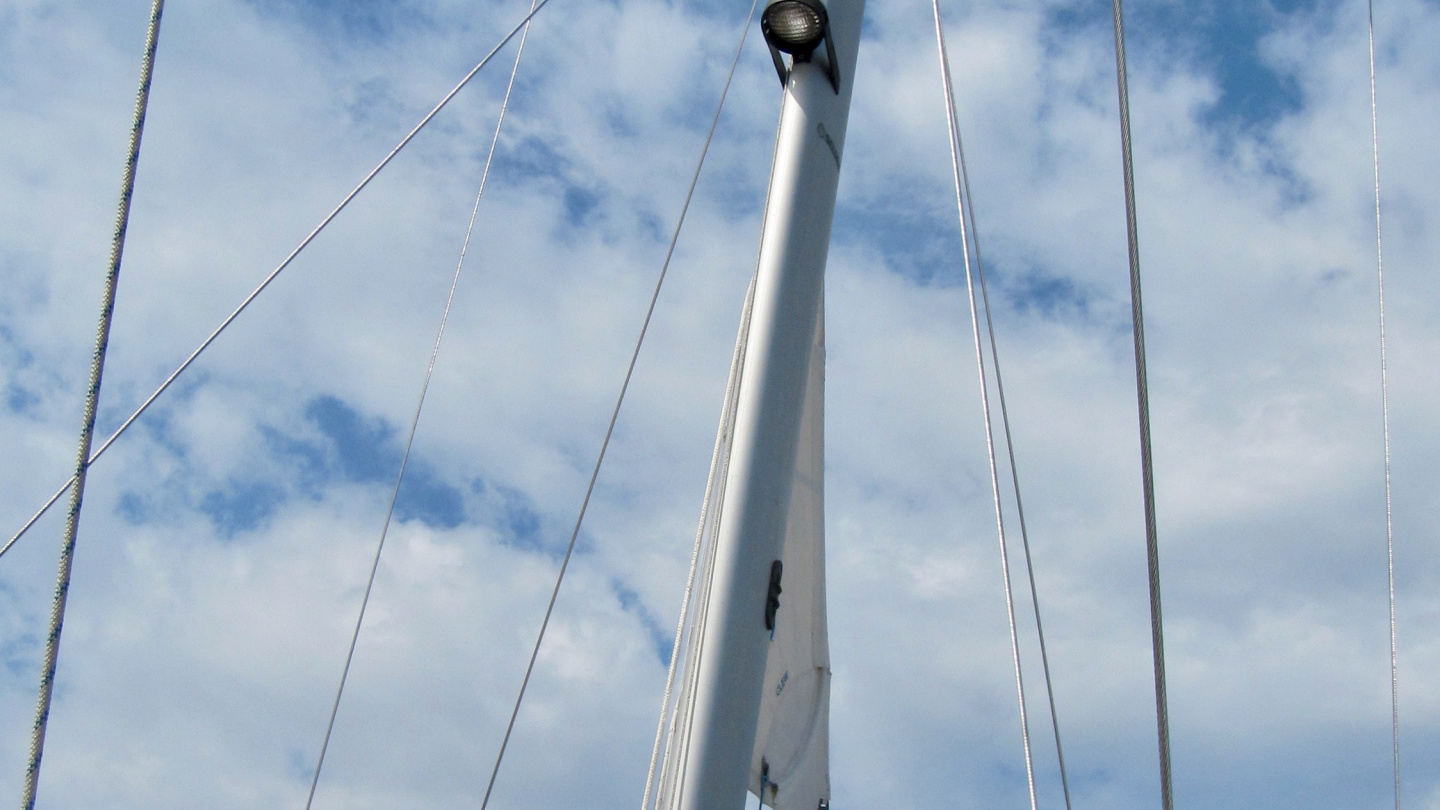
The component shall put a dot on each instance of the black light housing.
(797, 27)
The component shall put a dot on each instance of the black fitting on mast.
(772, 597)
(797, 27)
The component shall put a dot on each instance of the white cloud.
(200, 656)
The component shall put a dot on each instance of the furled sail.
(790, 769)
(790, 763)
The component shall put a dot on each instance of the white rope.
(415, 421)
(718, 464)
(1009, 446)
(1385, 418)
(673, 764)
(1152, 538)
(87, 430)
(950, 118)
(249, 299)
(615, 414)
(677, 750)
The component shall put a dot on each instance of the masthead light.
(798, 28)
(794, 26)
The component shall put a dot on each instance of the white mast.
(822, 38)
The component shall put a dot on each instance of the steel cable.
(615, 415)
(1142, 388)
(950, 118)
(415, 421)
(249, 299)
(1009, 439)
(1385, 418)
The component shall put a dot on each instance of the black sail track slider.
(772, 596)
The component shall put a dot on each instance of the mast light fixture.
(797, 28)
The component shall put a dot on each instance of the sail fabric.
(790, 768)
(791, 761)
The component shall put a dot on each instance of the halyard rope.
(87, 430)
(249, 299)
(713, 484)
(950, 117)
(1010, 450)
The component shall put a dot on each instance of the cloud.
(226, 540)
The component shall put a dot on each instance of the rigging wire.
(249, 299)
(683, 728)
(419, 406)
(615, 414)
(1152, 540)
(950, 118)
(1385, 418)
(718, 467)
(1005, 420)
(710, 513)
(711, 516)
(87, 430)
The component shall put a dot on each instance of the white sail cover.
(790, 769)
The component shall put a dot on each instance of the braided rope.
(255, 293)
(87, 430)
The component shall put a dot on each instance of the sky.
(226, 539)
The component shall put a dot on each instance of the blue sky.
(226, 539)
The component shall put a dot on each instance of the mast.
(821, 38)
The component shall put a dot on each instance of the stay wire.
(708, 506)
(1385, 418)
(681, 729)
(415, 420)
(615, 414)
(87, 430)
(1152, 541)
(1009, 442)
(709, 519)
(985, 401)
(249, 299)
(685, 600)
